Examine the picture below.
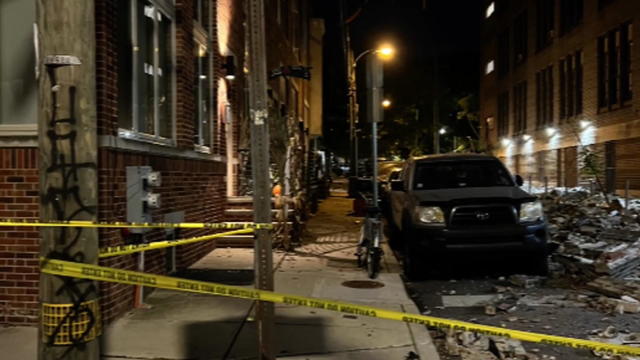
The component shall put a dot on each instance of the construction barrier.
(100, 273)
(130, 249)
(132, 225)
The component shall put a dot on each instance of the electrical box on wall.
(141, 199)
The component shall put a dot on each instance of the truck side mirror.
(519, 180)
(397, 185)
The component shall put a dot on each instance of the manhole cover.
(363, 284)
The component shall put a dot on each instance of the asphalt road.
(449, 297)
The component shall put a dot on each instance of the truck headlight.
(531, 211)
(430, 214)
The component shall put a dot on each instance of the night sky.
(418, 29)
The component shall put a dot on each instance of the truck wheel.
(395, 236)
(540, 265)
(410, 263)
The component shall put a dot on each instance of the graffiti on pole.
(64, 197)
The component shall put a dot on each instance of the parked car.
(467, 203)
(387, 172)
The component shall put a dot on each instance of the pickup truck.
(464, 204)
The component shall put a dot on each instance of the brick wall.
(19, 248)
(193, 186)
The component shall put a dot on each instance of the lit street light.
(442, 131)
(386, 103)
(384, 52)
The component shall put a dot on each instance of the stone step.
(245, 211)
(235, 241)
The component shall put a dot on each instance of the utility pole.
(263, 255)
(70, 312)
(436, 106)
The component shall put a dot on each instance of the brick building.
(559, 83)
(170, 90)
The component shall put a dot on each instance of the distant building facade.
(559, 93)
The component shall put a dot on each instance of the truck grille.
(464, 216)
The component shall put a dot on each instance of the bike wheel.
(361, 255)
(373, 263)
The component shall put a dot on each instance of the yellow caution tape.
(133, 225)
(130, 249)
(94, 272)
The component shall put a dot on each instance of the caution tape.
(94, 272)
(133, 225)
(130, 249)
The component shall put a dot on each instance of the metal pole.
(530, 180)
(375, 113)
(263, 256)
(626, 195)
(374, 159)
(546, 185)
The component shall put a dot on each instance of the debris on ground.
(595, 237)
(611, 335)
(471, 346)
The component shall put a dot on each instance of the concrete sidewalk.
(179, 325)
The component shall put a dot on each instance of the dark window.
(502, 6)
(145, 96)
(520, 107)
(544, 97)
(603, 3)
(614, 67)
(460, 174)
(503, 53)
(285, 17)
(571, 85)
(520, 35)
(545, 19)
(503, 114)
(201, 12)
(571, 12)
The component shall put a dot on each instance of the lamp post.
(383, 52)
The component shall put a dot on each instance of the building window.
(202, 96)
(491, 65)
(490, 10)
(296, 26)
(201, 12)
(571, 85)
(545, 21)
(520, 107)
(544, 97)
(571, 13)
(145, 73)
(520, 36)
(603, 3)
(285, 14)
(503, 53)
(18, 96)
(614, 67)
(503, 114)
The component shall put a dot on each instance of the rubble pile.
(594, 237)
(466, 345)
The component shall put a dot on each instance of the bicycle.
(369, 253)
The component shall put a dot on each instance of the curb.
(420, 335)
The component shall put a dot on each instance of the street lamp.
(386, 103)
(442, 131)
(384, 52)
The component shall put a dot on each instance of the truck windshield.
(461, 174)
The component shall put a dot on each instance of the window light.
(490, 9)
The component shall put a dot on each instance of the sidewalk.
(179, 325)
